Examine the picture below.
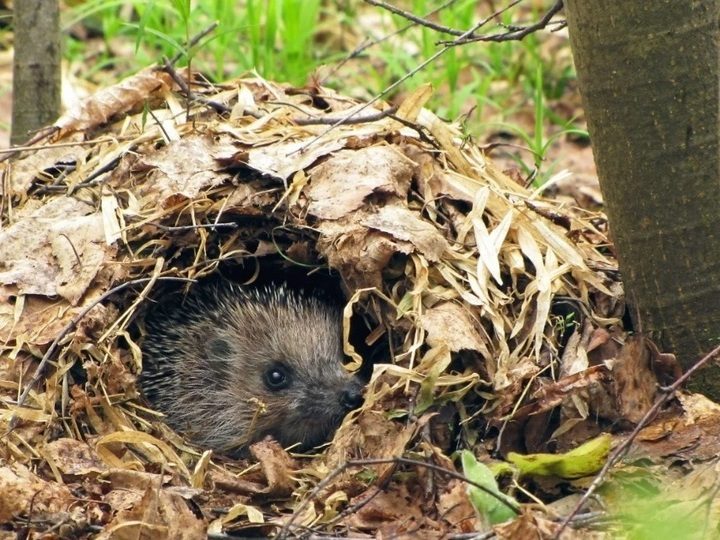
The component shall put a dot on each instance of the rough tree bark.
(648, 72)
(36, 67)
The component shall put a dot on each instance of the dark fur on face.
(230, 365)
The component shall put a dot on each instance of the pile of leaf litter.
(496, 314)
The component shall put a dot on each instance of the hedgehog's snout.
(351, 397)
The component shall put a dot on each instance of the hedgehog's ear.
(219, 352)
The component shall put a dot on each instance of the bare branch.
(370, 43)
(402, 79)
(189, 94)
(515, 33)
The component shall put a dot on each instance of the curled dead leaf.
(181, 170)
(634, 382)
(277, 466)
(114, 100)
(341, 184)
(24, 493)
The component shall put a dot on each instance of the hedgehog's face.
(232, 366)
(289, 381)
(305, 407)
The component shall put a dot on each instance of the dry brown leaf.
(36, 320)
(413, 104)
(697, 408)
(658, 430)
(114, 100)
(23, 493)
(57, 250)
(283, 159)
(447, 136)
(341, 184)
(121, 500)
(370, 435)
(360, 254)
(277, 465)
(455, 507)
(405, 225)
(634, 383)
(39, 320)
(181, 170)
(451, 323)
(692, 436)
(138, 481)
(551, 394)
(395, 507)
(575, 355)
(223, 480)
(159, 514)
(488, 248)
(23, 172)
(530, 525)
(161, 451)
(73, 457)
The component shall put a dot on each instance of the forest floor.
(480, 224)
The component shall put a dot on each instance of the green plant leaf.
(182, 7)
(586, 459)
(495, 507)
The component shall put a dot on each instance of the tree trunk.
(36, 67)
(648, 71)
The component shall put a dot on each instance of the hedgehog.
(230, 365)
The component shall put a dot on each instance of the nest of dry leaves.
(493, 309)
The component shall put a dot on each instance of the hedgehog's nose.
(351, 398)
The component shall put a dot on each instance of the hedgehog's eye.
(277, 378)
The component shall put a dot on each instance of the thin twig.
(92, 177)
(91, 180)
(421, 131)
(414, 18)
(72, 246)
(189, 94)
(315, 120)
(192, 227)
(91, 142)
(625, 445)
(371, 43)
(194, 41)
(159, 125)
(42, 133)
